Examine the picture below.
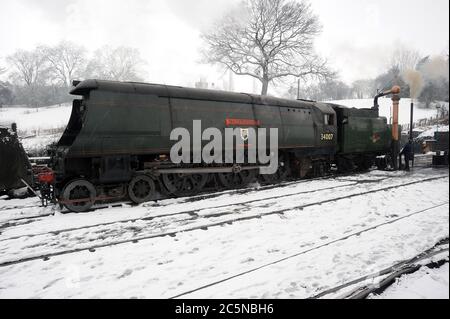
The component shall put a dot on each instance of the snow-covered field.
(292, 241)
(37, 119)
(38, 127)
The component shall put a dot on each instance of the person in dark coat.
(407, 152)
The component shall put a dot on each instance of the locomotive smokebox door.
(115, 169)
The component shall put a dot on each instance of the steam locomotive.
(117, 142)
(15, 166)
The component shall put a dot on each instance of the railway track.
(4, 208)
(194, 213)
(242, 191)
(390, 274)
(13, 222)
(263, 266)
(232, 220)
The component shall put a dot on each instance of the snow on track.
(169, 266)
(24, 248)
(339, 262)
(424, 284)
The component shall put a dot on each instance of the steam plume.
(434, 69)
(415, 81)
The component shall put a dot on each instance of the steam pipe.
(395, 146)
(394, 90)
(395, 128)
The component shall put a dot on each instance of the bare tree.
(66, 60)
(404, 59)
(29, 67)
(118, 64)
(267, 40)
(364, 88)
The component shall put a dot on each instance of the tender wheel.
(184, 184)
(79, 195)
(141, 189)
(236, 180)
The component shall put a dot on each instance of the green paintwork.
(361, 131)
(136, 119)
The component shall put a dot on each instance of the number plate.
(327, 136)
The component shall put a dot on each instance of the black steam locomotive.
(117, 142)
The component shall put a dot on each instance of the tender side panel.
(298, 127)
(362, 131)
(122, 123)
(213, 114)
(269, 116)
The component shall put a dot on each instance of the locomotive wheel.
(236, 180)
(79, 190)
(184, 184)
(141, 189)
(281, 174)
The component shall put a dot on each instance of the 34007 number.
(327, 136)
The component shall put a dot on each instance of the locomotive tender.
(117, 142)
(14, 163)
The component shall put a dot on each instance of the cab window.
(328, 119)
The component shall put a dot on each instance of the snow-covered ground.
(426, 283)
(38, 127)
(428, 132)
(37, 119)
(292, 241)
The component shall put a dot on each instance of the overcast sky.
(358, 35)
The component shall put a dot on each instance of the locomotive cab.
(327, 133)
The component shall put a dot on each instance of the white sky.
(358, 35)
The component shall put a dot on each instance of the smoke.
(415, 81)
(433, 70)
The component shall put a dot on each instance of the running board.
(207, 170)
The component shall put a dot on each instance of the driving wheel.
(141, 189)
(79, 195)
